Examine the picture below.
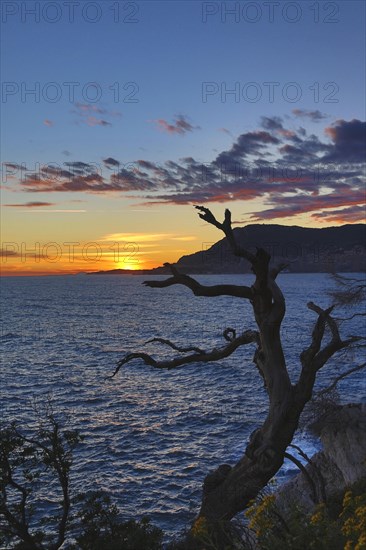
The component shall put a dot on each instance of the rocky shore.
(340, 463)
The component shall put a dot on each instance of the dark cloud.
(77, 176)
(272, 123)
(291, 151)
(56, 172)
(275, 124)
(14, 166)
(315, 116)
(111, 162)
(290, 171)
(251, 143)
(349, 139)
(146, 164)
(78, 167)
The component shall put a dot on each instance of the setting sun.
(133, 266)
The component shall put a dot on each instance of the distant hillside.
(306, 250)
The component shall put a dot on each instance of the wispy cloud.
(138, 237)
(179, 126)
(94, 121)
(315, 116)
(225, 131)
(146, 239)
(31, 204)
(53, 211)
(352, 214)
(94, 115)
(6, 253)
(186, 238)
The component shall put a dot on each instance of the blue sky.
(174, 60)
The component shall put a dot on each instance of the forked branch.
(225, 226)
(314, 357)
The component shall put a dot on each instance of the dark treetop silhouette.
(228, 490)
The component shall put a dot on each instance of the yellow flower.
(354, 526)
(260, 515)
(318, 516)
(199, 528)
(361, 544)
(347, 499)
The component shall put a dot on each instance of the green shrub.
(101, 527)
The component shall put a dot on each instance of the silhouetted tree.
(228, 490)
(35, 463)
(30, 460)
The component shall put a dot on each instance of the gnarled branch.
(198, 289)
(174, 346)
(216, 354)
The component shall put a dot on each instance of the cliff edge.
(341, 462)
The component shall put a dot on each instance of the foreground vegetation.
(339, 524)
(33, 460)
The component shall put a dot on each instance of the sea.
(151, 436)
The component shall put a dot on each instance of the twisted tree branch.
(174, 346)
(247, 337)
(198, 289)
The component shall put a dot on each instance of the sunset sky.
(117, 117)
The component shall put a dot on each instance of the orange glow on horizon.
(28, 266)
(130, 251)
(29, 269)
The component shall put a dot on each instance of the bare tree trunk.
(228, 490)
